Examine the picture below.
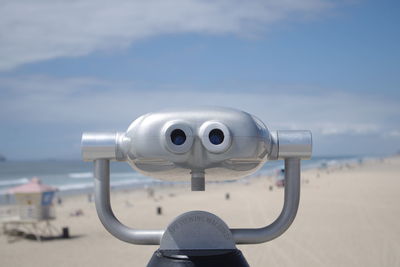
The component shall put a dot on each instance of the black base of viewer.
(198, 258)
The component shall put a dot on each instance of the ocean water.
(76, 176)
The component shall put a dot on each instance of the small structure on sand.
(32, 212)
(280, 178)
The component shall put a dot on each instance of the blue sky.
(329, 66)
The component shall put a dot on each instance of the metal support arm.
(288, 213)
(153, 237)
(106, 215)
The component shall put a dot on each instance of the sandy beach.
(349, 216)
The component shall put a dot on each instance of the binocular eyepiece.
(215, 137)
(178, 137)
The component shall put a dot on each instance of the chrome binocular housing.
(203, 143)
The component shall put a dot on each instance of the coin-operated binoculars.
(197, 144)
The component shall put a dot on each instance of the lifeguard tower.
(32, 212)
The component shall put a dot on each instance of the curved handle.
(153, 237)
(106, 215)
(288, 213)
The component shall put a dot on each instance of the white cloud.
(47, 99)
(37, 30)
(353, 129)
(392, 134)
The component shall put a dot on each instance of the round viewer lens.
(178, 137)
(216, 136)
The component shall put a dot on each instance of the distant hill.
(2, 158)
